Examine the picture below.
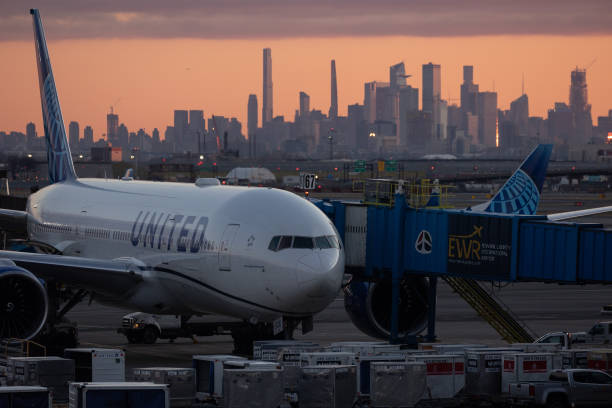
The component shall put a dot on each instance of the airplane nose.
(320, 274)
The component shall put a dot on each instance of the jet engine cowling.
(369, 306)
(23, 303)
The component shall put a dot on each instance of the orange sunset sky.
(147, 73)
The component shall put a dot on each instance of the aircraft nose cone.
(320, 274)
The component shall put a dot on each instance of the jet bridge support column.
(431, 308)
(399, 210)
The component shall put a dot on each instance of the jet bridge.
(389, 243)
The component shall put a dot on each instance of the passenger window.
(600, 378)
(302, 242)
(581, 377)
(322, 242)
(274, 243)
(285, 242)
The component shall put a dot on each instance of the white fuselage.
(207, 248)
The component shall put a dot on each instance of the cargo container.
(454, 348)
(253, 387)
(97, 364)
(24, 396)
(445, 374)
(539, 347)
(332, 386)
(209, 375)
(600, 360)
(363, 364)
(527, 367)
(364, 348)
(326, 358)
(118, 394)
(267, 349)
(483, 370)
(397, 384)
(574, 358)
(252, 364)
(52, 372)
(180, 382)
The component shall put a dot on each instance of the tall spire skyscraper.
(267, 108)
(333, 107)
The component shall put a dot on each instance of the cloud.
(240, 19)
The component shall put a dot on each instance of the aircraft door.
(225, 247)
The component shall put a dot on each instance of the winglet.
(58, 150)
(521, 193)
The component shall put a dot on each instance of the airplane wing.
(580, 213)
(107, 277)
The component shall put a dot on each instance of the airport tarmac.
(542, 307)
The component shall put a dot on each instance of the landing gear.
(244, 336)
(60, 333)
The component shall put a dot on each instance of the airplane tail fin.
(58, 150)
(521, 193)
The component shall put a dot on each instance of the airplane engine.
(369, 306)
(23, 303)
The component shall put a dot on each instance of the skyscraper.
(87, 137)
(469, 91)
(304, 105)
(369, 101)
(431, 86)
(267, 108)
(252, 125)
(581, 110)
(487, 118)
(397, 75)
(333, 107)
(112, 124)
(30, 134)
(73, 135)
(180, 128)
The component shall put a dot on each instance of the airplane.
(263, 255)
(257, 254)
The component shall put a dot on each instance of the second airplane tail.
(58, 150)
(521, 193)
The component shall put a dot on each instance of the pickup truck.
(600, 333)
(564, 338)
(565, 388)
(146, 328)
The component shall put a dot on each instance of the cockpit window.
(302, 242)
(322, 242)
(274, 243)
(333, 241)
(285, 242)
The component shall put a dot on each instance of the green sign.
(390, 165)
(359, 166)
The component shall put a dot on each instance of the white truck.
(565, 388)
(600, 333)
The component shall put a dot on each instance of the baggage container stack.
(527, 367)
(25, 396)
(252, 387)
(364, 348)
(208, 372)
(97, 364)
(327, 358)
(289, 358)
(52, 372)
(397, 384)
(330, 386)
(574, 358)
(119, 394)
(600, 359)
(483, 370)
(445, 374)
(180, 382)
(267, 350)
(363, 364)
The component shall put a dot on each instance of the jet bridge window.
(303, 242)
